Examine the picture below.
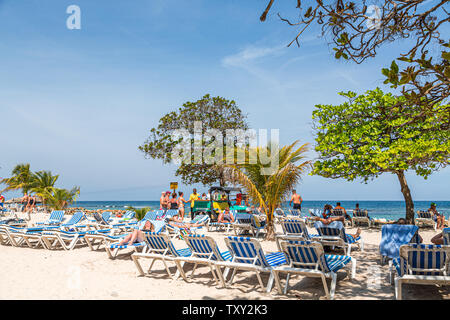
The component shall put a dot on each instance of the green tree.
(370, 135)
(43, 183)
(59, 199)
(214, 113)
(270, 190)
(21, 179)
(140, 212)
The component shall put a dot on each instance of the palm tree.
(21, 178)
(140, 212)
(43, 184)
(59, 199)
(270, 190)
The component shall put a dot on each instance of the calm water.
(377, 209)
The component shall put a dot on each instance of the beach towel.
(393, 236)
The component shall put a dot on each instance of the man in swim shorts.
(297, 201)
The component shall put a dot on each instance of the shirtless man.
(297, 200)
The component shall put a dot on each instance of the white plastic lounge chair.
(279, 215)
(112, 249)
(159, 247)
(204, 250)
(308, 259)
(247, 223)
(73, 223)
(56, 217)
(334, 235)
(247, 254)
(421, 264)
(62, 239)
(361, 216)
(96, 238)
(227, 226)
(294, 213)
(425, 218)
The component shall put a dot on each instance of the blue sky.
(80, 102)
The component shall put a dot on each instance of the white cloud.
(251, 54)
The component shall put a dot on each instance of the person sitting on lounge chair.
(138, 234)
(437, 217)
(174, 222)
(225, 216)
(327, 211)
(329, 220)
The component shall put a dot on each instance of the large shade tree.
(269, 189)
(213, 113)
(370, 135)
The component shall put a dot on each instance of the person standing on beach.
(2, 200)
(194, 196)
(162, 201)
(297, 201)
(173, 202)
(24, 202)
(181, 203)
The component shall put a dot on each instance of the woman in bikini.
(181, 203)
(225, 216)
(138, 234)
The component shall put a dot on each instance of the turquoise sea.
(391, 210)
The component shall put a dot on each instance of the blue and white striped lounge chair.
(112, 249)
(242, 223)
(446, 235)
(247, 254)
(294, 213)
(308, 259)
(159, 247)
(425, 218)
(393, 236)
(204, 250)
(421, 264)
(361, 216)
(18, 236)
(334, 235)
(279, 215)
(294, 229)
(62, 239)
(56, 217)
(128, 217)
(312, 216)
(73, 223)
(171, 213)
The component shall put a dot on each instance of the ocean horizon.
(387, 209)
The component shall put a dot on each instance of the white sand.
(84, 274)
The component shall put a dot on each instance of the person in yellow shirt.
(194, 196)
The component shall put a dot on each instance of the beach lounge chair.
(73, 222)
(247, 223)
(446, 234)
(313, 214)
(393, 236)
(425, 218)
(159, 247)
(421, 264)
(96, 238)
(308, 259)
(248, 255)
(56, 217)
(222, 225)
(334, 235)
(279, 215)
(294, 229)
(17, 236)
(361, 216)
(294, 213)
(171, 213)
(62, 239)
(112, 249)
(180, 230)
(204, 250)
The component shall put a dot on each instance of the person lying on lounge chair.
(437, 217)
(225, 216)
(173, 222)
(329, 220)
(138, 234)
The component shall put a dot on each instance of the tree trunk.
(270, 227)
(407, 195)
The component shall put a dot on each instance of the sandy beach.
(84, 274)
